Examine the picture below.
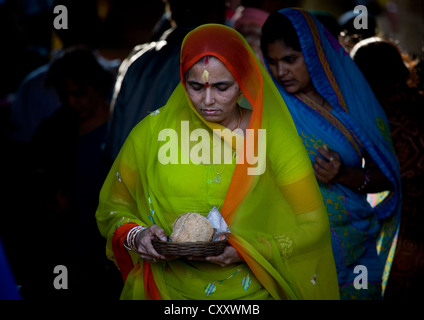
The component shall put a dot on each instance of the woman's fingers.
(158, 232)
(145, 245)
(329, 155)
(229, 256)
(327, 164)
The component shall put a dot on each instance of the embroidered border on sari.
(323, 60)
(350, 136)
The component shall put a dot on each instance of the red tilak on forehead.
(206, 59)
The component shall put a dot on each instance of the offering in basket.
(195, 235)
(191, 227)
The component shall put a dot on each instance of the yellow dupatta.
(277, 219)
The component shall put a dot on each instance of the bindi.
(205, 78)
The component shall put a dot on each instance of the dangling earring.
(242, 101)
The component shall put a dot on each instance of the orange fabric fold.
(151, 291)
(120, 253)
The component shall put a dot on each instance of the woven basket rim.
(200, 248)
(196, 243)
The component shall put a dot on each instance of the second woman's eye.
(272, 62)
(290, 59)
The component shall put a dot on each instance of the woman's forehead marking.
(205, 77)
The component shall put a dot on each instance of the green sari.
(269, 199)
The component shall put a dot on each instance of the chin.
(212, 119)
(291, 89)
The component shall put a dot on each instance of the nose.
(209, 99)
(281, 69)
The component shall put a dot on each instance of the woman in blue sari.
(348, 140)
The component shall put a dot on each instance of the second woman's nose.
(281, 69)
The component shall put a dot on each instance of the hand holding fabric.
(328, 165)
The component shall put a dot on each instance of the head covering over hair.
(249, 15)
(356, 125)
(275, 213)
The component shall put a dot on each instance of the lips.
(211, 112)
(287, 83)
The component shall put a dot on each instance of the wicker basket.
(197, 249)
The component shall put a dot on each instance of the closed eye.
(290, 59)
(222, 87)
(271, 61)
(196, 86)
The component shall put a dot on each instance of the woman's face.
(82, 98)
(288, 67)
(213, 91)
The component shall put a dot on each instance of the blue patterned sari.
(362, 235)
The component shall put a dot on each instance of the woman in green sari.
(176, 160)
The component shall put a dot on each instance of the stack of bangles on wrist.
(366, 180)
(132, 236)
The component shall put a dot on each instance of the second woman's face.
(288, 67)
(213, 91)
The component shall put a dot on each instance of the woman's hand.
(331, 169)
(328, 168)
(229, 256)
(145, 247)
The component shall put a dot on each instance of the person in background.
(279, 246)
(347, 136)
(350, 34)
(230, 11)
(385, 67)
(328, 20)
(34, 100)
(66, 174)
(33, 103)
(149, 74)
(249, 21)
